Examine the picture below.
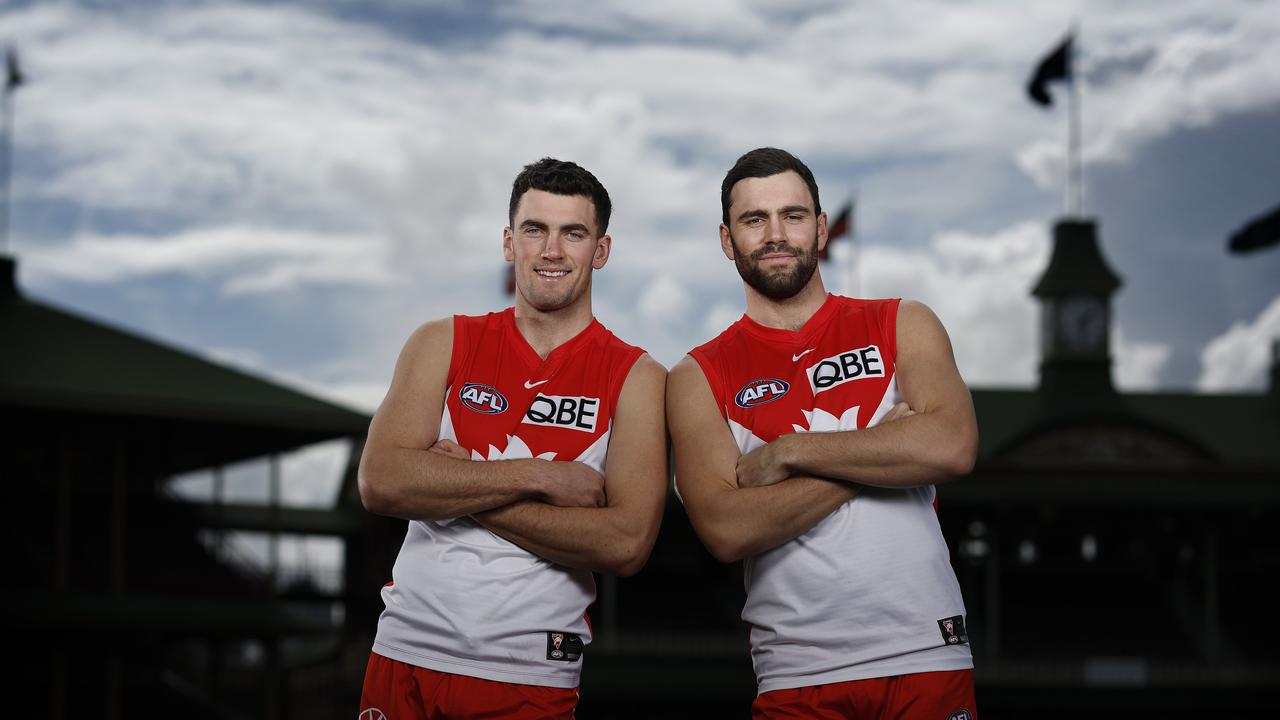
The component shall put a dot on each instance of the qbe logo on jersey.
(849, 365)
(574, 413)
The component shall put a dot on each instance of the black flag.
(1259, 233)
(14, 76)
(1055, 66)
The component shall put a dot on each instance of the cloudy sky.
(292, 187)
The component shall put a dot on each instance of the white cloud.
(1184, 67)
(247, 259)
(1240, 358)
(706, 19)
(720, 317)
(980, 287)
(273, 101)
(205, 104)
(1137, 365)
(244, 359)
(664, 300)
(272, 149)
(309, 477)
(363, 396)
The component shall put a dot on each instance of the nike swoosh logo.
(529, 386)
(797, 357)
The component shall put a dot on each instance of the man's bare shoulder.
(915, 312)
(685, 374)
(431, 334)
(645, 381)
(424, 359)
(689, 392)
(918, 325)
(648, 368)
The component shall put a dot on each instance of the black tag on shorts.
(565, 647)
(953, 632)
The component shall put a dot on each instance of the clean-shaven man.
(527, 448)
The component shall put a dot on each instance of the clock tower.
(1075, 326)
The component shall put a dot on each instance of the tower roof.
(1076, 266)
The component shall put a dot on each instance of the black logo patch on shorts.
(565, 647)
(961, 714)
(953, 632)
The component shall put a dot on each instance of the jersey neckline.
(811, 329)
(556, 357)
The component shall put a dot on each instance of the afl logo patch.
(760, 392)
(482, 398)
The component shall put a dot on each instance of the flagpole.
(6, 152)
(1075, 179)
(13, 78)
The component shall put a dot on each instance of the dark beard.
(778, 285)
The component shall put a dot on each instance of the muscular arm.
(617, 537)
(936, 443)
(735, 522)
(400, 477)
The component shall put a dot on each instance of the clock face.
(1082, 323)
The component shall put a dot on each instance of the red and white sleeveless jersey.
(464, 600)
(869, 591)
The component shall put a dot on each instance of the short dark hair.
(761, 163)
(561, 177)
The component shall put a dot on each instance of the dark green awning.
(61, 370)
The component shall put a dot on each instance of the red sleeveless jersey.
(464, 600)
(506, 401)
(868, 591)
(834, 373)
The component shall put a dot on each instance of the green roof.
(59, 360)
(60, 367)
(1238, 430)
